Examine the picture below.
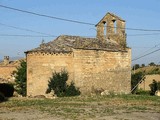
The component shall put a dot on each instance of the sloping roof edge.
(111, 15)
(65, 43)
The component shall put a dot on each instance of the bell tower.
(112, 27)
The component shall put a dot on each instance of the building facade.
(101, 63)
(6, 69)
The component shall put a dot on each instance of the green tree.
(58, 84)
(135, 79)
(136, 66)
(20, 78)
(152, 64)
(154, 86)
(143, 65)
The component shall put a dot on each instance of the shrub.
(154, 86)
(135, 79)
(58, 84)
(136, 66)
(154, 71)
(142, 92)
(72, 90)
(6, 89)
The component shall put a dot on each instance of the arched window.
(114, 26)
(105, 28)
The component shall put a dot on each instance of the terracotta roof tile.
(66, 43)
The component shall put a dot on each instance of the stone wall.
(90, 70)
(6, 69)
(6, 73)
(102, 70)
(40, 67)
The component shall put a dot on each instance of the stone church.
(94, 64)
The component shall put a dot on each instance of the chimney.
(6, 60)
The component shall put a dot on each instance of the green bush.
(154, 86)
(135, 67)
(58, 84)
(154, 71)
(142, 92)
(6, 89)
(135, 79)
(72, 90)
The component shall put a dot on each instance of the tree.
(135, 79)
(58, 84)
(152, 64)
(136, 66)
(143, 65)
(154, 86)
(20, 78)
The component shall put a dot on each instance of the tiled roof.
(65, 43)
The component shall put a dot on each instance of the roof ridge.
(115, 16)
(65, 43)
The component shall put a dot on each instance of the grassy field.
(82, 107)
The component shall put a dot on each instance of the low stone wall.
(144, 85)
(6, 73)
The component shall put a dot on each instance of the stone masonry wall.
(6, 72)
(88, 69)
(40, 67)
(112, 28)
(102, 70)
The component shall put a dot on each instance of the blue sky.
(141, 14)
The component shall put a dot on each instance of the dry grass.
(148, 69)
(85, 107)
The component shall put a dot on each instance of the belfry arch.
(112, 27)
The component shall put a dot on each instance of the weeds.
(86, 107)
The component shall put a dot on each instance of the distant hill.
(148, 70)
